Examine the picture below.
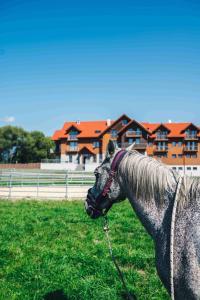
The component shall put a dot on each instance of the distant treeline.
(20, 146)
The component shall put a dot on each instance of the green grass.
(49, 246)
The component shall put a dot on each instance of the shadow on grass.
(55, 295)
(128, 296)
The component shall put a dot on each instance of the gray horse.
(151, 188)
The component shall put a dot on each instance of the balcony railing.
(160, 148)
(190, 148)
(140, 146)
(72, 138)
(191, 137)
(72, 148)
(133, 133)
(161, 137)
(136, 146)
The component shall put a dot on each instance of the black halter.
(95, 211)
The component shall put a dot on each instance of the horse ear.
(110, 148)
(131, 147)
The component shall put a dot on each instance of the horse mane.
(148, 179)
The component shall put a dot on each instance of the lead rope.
(120, 274)
(172, 237)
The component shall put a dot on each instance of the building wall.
(180, 155)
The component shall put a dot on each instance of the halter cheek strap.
(114, 166)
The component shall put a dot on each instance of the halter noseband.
(114, 166)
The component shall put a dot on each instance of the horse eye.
(96, 175)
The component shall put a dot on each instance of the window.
(174, 144)
(191, 133)
(94, 158)
(180, 144)
(194, 155)
(73, 145)
(124, 122)
(161, 134)
(137, 141)
(173, 155)
(188, 168)
(96, 144)
(70, 158)
(195, 168)
(180, 168)
(73, 135)
(114, 133)
(180, 155)
(188, 155)
(150, 143)
(138, 131)
(130, 141)
(173, 168)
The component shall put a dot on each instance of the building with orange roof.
(176, 144)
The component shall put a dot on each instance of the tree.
(18, 145)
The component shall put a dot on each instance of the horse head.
(107, 189)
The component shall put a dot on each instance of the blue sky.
(85, 60)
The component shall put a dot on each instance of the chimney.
(108, 122)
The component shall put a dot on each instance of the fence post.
(38, 183)
(10, 185)
(66, 185)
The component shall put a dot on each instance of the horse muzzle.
(90, 207)
(92, 211)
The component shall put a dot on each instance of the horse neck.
(151, 212)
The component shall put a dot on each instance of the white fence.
(57, 185)
(89, 167)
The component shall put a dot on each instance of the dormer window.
(191, 133)
(161, 134)
(73, 134)
(124, 122)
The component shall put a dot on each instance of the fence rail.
(65, 185)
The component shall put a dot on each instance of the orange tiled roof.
(131, 122)
(175, 129)
(88, 147)
(90, 129)
(150, 126)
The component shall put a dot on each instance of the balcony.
(190, 148)
(161, 137)
(72, 149)
(133, 133)
(72, 138)
(191, 137)
(160, 148)
(139, 146)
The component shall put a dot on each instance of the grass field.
(53, 248)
